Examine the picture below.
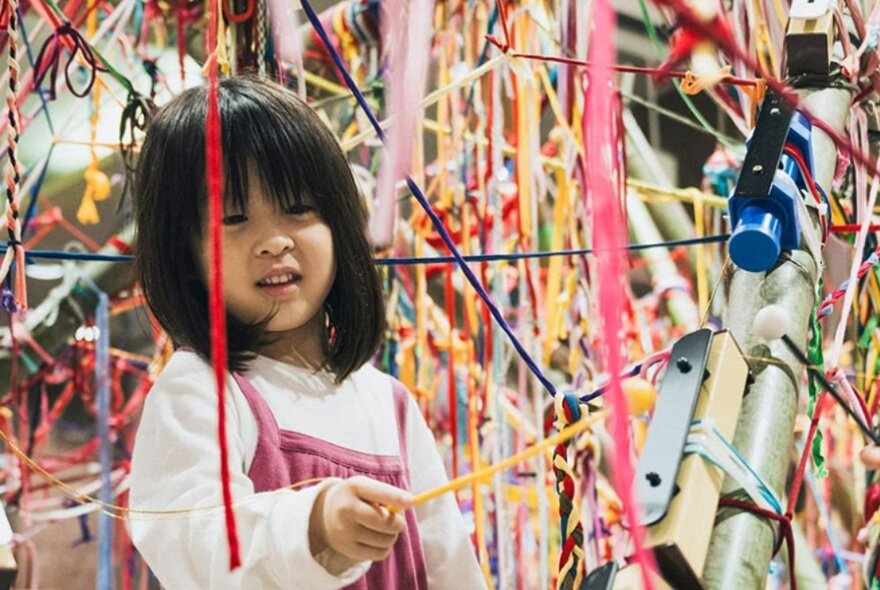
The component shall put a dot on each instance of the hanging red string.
(217, 312)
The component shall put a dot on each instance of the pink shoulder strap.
(266, 423)
(268, 426)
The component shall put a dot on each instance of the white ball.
(771, 322)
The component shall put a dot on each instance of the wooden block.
(681, 539)
(8, 567)
(630, 578)
(808, 44)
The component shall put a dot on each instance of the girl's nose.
(276, 244)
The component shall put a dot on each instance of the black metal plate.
(664, 444)
(601, 578)
(765, 147)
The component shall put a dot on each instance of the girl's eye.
(299, 209)
(234, 219)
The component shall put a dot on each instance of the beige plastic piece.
(808, 43)
(8, 568)
(630, 578)
(681, 539)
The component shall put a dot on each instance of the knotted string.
(136, 115)
(785, 530)
(49, 58)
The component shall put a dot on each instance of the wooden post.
(742, 544)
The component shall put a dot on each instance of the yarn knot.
(568, 409)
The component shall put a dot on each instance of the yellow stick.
(487, 472)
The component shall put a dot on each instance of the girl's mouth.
(279, 280)
(280, 285)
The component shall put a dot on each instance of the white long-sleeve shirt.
(175, 466)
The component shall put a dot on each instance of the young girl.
(305, 314)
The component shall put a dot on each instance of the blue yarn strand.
(97, 257)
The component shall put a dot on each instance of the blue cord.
(125, 258)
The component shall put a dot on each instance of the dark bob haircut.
(267, 130)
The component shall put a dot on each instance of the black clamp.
(664, 444)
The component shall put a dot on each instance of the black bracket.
(664, 444)
(765, 147)
(601, 578)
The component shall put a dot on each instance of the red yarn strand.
(214, 173)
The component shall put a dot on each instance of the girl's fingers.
(376, 539)
(379, 518)
(358, 524)
(376, 492)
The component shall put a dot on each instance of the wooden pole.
(742, 543)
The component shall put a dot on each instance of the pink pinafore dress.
(284, 457)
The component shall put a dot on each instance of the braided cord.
(15, 251)
(568, 411)
(262, 32)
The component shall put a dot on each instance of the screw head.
(683, 365)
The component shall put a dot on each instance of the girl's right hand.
(350, 517)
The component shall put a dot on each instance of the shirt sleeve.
(175, 471)
(449, 555)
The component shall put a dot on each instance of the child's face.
(275, 260)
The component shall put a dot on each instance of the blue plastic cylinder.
(789, 165)
(756, 241)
